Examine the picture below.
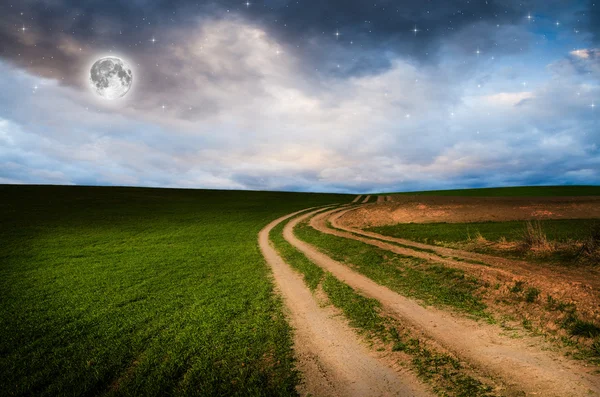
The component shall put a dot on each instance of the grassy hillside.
(522, 191)
(125, 291)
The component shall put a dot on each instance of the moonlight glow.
(111, 77)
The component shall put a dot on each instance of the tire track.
(366, 200)
(518, 362)
(357, 198)
(521, 269)
(332, 359)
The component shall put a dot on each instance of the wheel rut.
(332, 359)
(519, 363)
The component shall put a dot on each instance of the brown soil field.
(429, 209)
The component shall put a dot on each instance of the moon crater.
(111, 77)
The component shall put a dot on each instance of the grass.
(559, 230)
(126, 291)
(446, 374)
(553, 239)
(448, 371)
(434, 284)
(585, 328)
(520, 191)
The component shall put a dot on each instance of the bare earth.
(424, 209)
(332, 359)
(520, 363)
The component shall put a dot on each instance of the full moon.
(111, 77)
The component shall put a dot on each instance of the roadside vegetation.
(447, 375)
(566, 242)
(515, 305)
(125, 291)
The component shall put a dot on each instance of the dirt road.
(333, 361)
(520, 363)
(580, 285)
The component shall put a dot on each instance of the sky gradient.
(339, 96)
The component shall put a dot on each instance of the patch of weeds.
(534, 238)
(527, 324)
(585, 328)
(568, 320)
(532, 294)
(556, 305)
(517, 288)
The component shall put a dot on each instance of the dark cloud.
(57, 29)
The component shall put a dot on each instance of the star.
(415, 30)
(337, 34)
(529, 17)
(478, 52)
(153, 40)
(23, 29)
(247, 4)
(557, 23)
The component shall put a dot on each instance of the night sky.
(339, 95)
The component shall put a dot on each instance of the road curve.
(333, 361)
(518, 362)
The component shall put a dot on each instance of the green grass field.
(561, 230)
(520, 191)
(127, 291)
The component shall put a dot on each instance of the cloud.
(242, 110)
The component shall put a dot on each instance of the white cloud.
(259, 120)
